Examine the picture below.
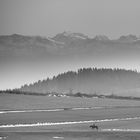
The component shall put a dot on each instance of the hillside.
(91, 81)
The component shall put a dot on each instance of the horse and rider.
(94, 126)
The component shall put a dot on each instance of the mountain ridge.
(64, 43)
(74, 34)
(30, 58)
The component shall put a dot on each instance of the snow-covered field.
(40, 118)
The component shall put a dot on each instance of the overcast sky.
(49, 17)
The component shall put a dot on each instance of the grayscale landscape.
(69, 69)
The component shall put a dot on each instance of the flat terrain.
(16, 102)
(68, 118)
(90, 135)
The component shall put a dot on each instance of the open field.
(15, 102)
(76, 132)
(72, 136)
(24, 117)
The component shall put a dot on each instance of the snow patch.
(56, 42)
(65, 123)
(2, 138)
(122, 130)
(58, 137)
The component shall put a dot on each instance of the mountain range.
(25, 59)
(65, 43)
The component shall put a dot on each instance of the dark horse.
(94, 126)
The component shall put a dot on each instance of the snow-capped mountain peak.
(128, 38)
(68, 34)
(54, 41)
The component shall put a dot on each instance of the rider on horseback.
(94, 126)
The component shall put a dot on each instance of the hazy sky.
(48, 17)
